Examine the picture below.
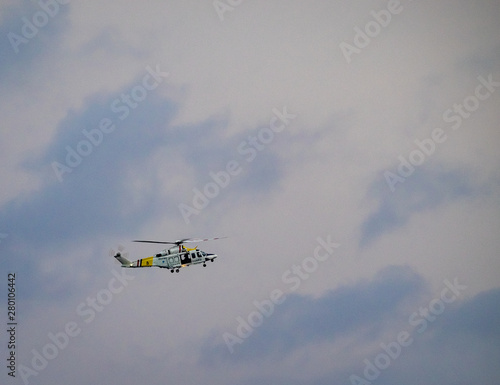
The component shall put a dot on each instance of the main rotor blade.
(181, 241)
(164, 243)
(201, 239)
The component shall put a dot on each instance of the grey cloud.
(18, 57)
(425, 189)
(95, 200)
(461, 346)
(462, 343)
(301, 320)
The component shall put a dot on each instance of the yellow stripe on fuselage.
(147, 261)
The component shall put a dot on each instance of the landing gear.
(204, 265)
(176, 270)
(172, 270)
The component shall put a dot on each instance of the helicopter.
(173, 258)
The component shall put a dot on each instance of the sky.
(346, 150)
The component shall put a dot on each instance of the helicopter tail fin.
(124, 261)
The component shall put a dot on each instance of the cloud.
(90, 200)
(52, 227)
(319, 176)
(301, 320)
(478, 317)
(461, 346)
(96, 195)
(367, 314)
(28, 33)
(427, 188)
(130, 176)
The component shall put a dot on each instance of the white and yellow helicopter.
(173, 258)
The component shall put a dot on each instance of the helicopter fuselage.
(172, 259)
